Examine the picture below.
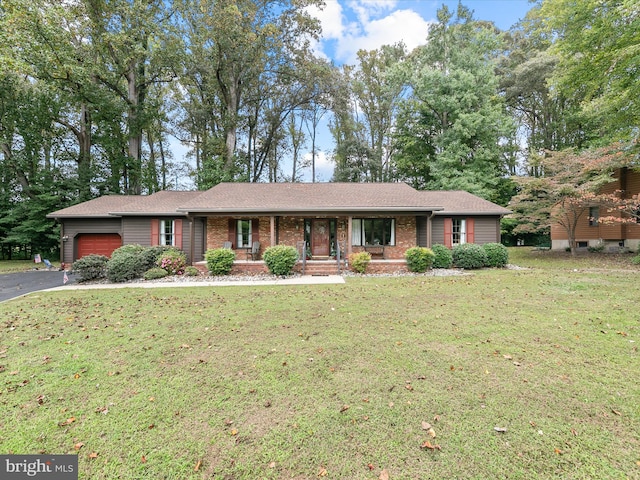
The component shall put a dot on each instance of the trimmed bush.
(359, 261)
(280, 259)
(191, 271)
(419, 259)
(149, 255)
(173, 261)
(132, 249)
(91, 267)
(124, 267)
(220, 261)
(469, 256)
(497, 254)
(155, 273)
(443, 256)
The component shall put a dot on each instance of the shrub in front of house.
(359, 261)
(220, 261)
(497, 255)
(419, 259)
(443, 257)
(155, 273)
(280, 259)
(469, 256)
(91, 267)
(191, 271)
(132, 249)
(124, 266)
(636, 260)
(149, 255)
(173, 261)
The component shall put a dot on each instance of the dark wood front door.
(320, 238)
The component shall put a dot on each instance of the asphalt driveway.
(13, 285)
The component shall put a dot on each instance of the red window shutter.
(471, 234)
(448, 232)
(232, 232)
(155, 232)
(177, 225)
(255, 230)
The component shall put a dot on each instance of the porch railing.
(302, 254)
(341, 256)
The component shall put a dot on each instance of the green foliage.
(149, 255)
(220, 261)
(443, 258)
(419, 259)
(124, 267)
(173, 261)
(130, 249)
(280, 259)
(636, 260)
(450, 127)
(155, 273)
(91, 267)
(191, 271)
(596, 248)
(469, 256)
(497, 254)
(359, 261)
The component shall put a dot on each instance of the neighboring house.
(383, 218)
(590, 232)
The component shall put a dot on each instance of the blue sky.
(350, 25)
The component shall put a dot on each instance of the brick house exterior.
(590, 232)
(383, 218)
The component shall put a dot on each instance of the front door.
(320, 238)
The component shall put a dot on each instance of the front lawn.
(526, 374)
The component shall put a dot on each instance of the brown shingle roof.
(98, 207)
(459, 202)
(160, 203)
(309, 197)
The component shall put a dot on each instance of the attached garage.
(97, 243)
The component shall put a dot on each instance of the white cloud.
(367, 25)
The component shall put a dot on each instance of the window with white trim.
(373, 231)
(458, 231)
(167, 233)
(243, 233)
(594, 216)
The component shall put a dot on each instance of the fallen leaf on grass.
(575, 434)
(409, 387)
(322, 472)
(427, 444)
(198, 465)
(426, 426)
(272, 465)
(93, 455)
(78, 445)
(233, 432)
(432, 433)
(558, 451)
(384, 475)
(344, 408)
(143, 459)
(500, 429)
(616, 412)
(68, 421)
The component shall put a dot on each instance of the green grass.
(335, 381)
(14, 266)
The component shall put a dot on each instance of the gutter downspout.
(429, 234)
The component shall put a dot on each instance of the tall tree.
(598, 44)
(454, 124)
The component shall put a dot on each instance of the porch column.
(349, 226)
(272, 230)
(429, 239)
